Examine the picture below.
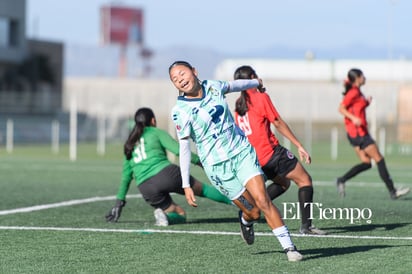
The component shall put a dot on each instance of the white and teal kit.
(210, 124)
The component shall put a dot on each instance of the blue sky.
(236, 26)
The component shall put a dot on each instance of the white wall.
(295, 100)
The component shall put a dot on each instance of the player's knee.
(263, 203)
(286, 185)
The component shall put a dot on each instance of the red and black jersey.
(355, 103)
(256, 124)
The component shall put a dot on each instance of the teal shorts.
(231, 176)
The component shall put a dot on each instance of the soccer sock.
(212, 193)
(305, 195)
(175, 218)
(354, 171)
(246, 223)
(384, 173)
(275, 190)
(282, 233)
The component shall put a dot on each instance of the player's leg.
(355, 170)
(208, 191)
(256, 187)
(248, 214)
(279, 186)
(156, 192)
(305, 195)
(373, 152)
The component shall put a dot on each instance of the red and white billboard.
(121, 25)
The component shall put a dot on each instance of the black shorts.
(361, 141)
(280, 164)
(156, 190)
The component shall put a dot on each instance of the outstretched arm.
(283, 128)
(184, 161)
(239, 85)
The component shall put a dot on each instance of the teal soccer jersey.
(209, 123)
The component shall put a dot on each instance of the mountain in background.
(103, 61)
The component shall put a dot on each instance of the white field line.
(97, 199)
(360, 184)
(144, 231)
(61, 204)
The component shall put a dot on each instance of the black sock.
(383, 172)
(275, 190)
(354, 171)
(305, 195)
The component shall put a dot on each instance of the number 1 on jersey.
(140, 152)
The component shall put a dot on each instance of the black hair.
(243, 72)
(182, 63)
(142, 118)
(353, 74)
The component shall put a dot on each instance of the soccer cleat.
(246, 231)
(341, 188)
(312, 231)
(399, 193)
(161, 218)
(293, 254)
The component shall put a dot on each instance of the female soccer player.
(146, 160)
(202, 114)
(255, 113)
(353, 108)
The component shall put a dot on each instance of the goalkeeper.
(156, 177)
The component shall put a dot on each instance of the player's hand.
(261, 88)
(190, 196)
(114, 214)
(304, 155)
(357, 121)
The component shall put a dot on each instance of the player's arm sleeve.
(240, 84)
(126, 179)
(173, 146)
(184, 161)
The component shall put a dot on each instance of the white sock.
(246, 223)
(282, 233)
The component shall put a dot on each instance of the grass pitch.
(52, 221)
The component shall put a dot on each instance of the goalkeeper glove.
(114, 214)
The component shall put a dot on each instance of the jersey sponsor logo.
(213, 91)
(216, 112)
(175, 120)
(215, 135)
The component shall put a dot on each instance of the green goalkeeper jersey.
(148, 158)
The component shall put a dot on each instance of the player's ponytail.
(243, 72)
(142, 118)
(353, 74)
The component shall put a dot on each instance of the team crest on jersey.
(213, 91)
(290, 155)
(178, 128)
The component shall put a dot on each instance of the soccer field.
(52, 221)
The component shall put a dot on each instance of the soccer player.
(254, 114)
(146, 160)
(202, 114)
(353, 108)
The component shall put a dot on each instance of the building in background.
(31, 71)
(124, 26)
